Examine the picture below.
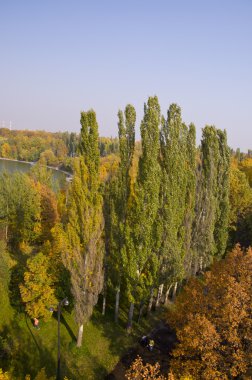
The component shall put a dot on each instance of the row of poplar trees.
(162, 217)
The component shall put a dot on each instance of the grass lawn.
(25, 350)
(6, 311)
(104, 343)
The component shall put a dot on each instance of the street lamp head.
(66, 302)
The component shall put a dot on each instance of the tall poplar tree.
(203, 238)
(177, 165)
(85, 224)
(212, 204)
(223, 179)
(190, 198)
(117, 199)
(139, 254)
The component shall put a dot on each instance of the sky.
(60, 57)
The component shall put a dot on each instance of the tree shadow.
(68, 328)
(128, 347)
(32, 335)
(83, 371)
(22, 352)
(16, 277)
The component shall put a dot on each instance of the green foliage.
(165, 218)
(108, 146)
(206, 202)
(190, 199)
(6, 313)
(212, 201)
(117, 194)
(19, 207)
(40, 173)
(49, 216)
(88, 145)
(240, 218)
(177, 193)
(7, 209)
(139, 249)
(223, 178)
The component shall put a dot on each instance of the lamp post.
(64, 302)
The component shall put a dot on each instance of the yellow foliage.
(140, 371)
(6, 150)
(246, 167)
(108, 167)
(4, 375)
(25, 248)
(42, 375)
(240, 196)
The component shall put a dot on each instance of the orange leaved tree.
(140, 371)
(213, 321)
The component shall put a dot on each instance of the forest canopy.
(136, 222)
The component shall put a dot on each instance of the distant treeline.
(54, 149)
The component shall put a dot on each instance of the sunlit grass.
(104, 343)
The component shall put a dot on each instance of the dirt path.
(164, 339)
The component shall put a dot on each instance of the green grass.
(25, 350)
(6, 312)
(103, 344)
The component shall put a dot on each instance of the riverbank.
(31, 163)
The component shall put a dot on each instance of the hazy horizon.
(60, 58)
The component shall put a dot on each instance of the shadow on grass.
(87, 369)
(122, 344)
(23, 352)
(68, 328)
(32, 335)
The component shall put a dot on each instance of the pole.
(58, 366)
(64, 302)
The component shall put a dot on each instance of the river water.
(58, 177)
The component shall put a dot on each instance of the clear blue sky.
(60, 57)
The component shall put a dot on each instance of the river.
(11, 166)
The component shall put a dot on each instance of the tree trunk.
(104, 304)
(80, 334)
(174, 291)
(167, 294)
(130, 317)
(159, 295)
(140, 311)
(7, 224)
(150, 301)
(117, 304)
(201, 264)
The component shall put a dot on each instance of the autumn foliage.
(140, 371)
(213, 321)
(40, 376)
